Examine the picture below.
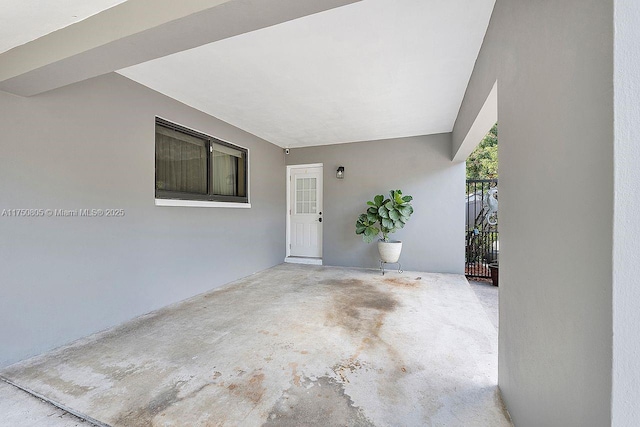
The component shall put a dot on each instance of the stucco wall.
(553, 63)
(91, 145)
(626, 256)
(433, 239)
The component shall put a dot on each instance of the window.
(305, 195)
(193, 166)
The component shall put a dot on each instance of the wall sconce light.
(340, 172)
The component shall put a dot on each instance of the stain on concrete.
(359, 306)
(324, 404)
(294, 373)
(349, 366)
(118, 373)
(64, 378)
(251, 389)
(402, 282)
(254, 390)
(143, 415)
(68, 387)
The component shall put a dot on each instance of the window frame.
(178, 198)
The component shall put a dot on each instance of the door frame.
(288, 258)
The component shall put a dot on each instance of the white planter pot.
(389, 251)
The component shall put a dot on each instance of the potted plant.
(391, 214)
(494, 268)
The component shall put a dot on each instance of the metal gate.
(481, 246)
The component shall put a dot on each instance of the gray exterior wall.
(554, 65)
(433, 240)
(91, 145)
(625, 398)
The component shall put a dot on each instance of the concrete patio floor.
(21, 409)
(290, 346)
(488, 296)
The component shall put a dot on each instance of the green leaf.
(483, 162)
(398, 198)
(372, 210)
(368, 239)
(403, 219)
(371, 231)
(387, 223)
(405, 210)
(378, 200)
(394, 214)
(407, 198)
(389, 205)
(360, 229)
(383, 212)
(370, 234)
(371, 203)
(372, 217)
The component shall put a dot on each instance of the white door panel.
(306, 212)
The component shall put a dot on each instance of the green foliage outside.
(483, 162)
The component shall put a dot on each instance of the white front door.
(306, 212)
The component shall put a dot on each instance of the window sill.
(201, 204)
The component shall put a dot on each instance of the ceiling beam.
(137, 31)
(486, 118)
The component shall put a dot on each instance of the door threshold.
(303, 260)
